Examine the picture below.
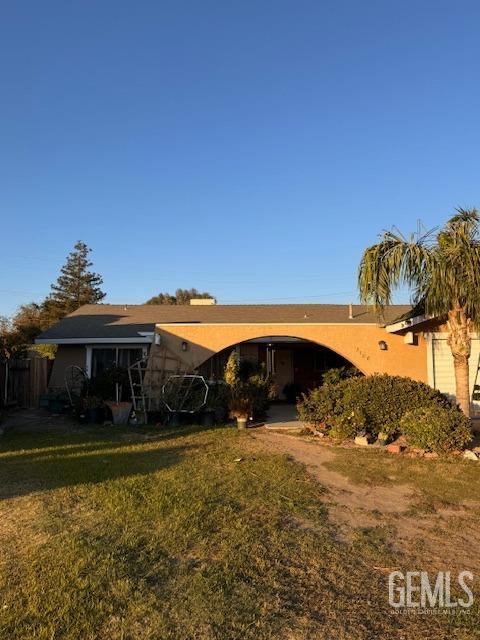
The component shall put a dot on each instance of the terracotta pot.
(120, 411)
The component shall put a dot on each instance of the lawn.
(200, 534)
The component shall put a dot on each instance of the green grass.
(107, 535)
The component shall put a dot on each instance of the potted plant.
(249, 389)
(113, 381)
(93, 410)
(241, 409)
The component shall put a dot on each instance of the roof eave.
(141, 339)
(405, 325)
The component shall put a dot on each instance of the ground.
(115, 533)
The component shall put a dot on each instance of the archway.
(295, 364)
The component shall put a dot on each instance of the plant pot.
(120, 411)
(174, 420)
(242, 423)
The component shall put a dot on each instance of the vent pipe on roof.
(350, 311)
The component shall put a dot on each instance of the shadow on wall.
(197, 354)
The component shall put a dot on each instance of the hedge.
(382, 400)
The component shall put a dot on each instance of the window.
(106, 357)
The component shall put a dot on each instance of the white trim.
(88, 361)
(123, 345)
(407, 324)
(136, 340)
(430, 359)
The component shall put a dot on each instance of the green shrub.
(383, 399)
(439, 429)
(249, 387)
(336, 374)
(218, 395)
(347, 425)
(320, 405)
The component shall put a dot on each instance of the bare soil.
(354, 506)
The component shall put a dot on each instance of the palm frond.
(392, 262)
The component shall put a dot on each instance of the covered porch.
(294, 364)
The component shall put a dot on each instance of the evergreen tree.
(76, 285)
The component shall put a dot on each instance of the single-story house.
(297, 342)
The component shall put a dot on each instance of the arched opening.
(295, 365)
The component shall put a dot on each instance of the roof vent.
(202, 301)
(350, 311)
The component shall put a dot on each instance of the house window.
(106, 357)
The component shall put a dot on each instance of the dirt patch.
(442, 540)
(386, 499)
(447, 537)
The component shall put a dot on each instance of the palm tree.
(443, 270)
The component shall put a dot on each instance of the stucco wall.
(66, 355)
(357, 343)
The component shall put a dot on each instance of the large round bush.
(439, 429)
(382, 399)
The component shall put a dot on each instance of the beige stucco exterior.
(66, 355)
(357, 343)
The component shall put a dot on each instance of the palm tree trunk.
(459, 342)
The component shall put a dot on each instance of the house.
(297, 342)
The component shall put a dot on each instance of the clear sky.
(251, 148)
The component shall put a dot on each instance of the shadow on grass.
(20, 476)
(31, 443)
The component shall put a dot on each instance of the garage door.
(443, 371)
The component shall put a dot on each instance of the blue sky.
(252, 149)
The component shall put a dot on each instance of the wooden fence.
(23, 381)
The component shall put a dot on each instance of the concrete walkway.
(283, 416)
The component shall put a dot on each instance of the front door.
(283, 370)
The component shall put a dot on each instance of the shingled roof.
(110, 322)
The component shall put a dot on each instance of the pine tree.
(76, 285)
